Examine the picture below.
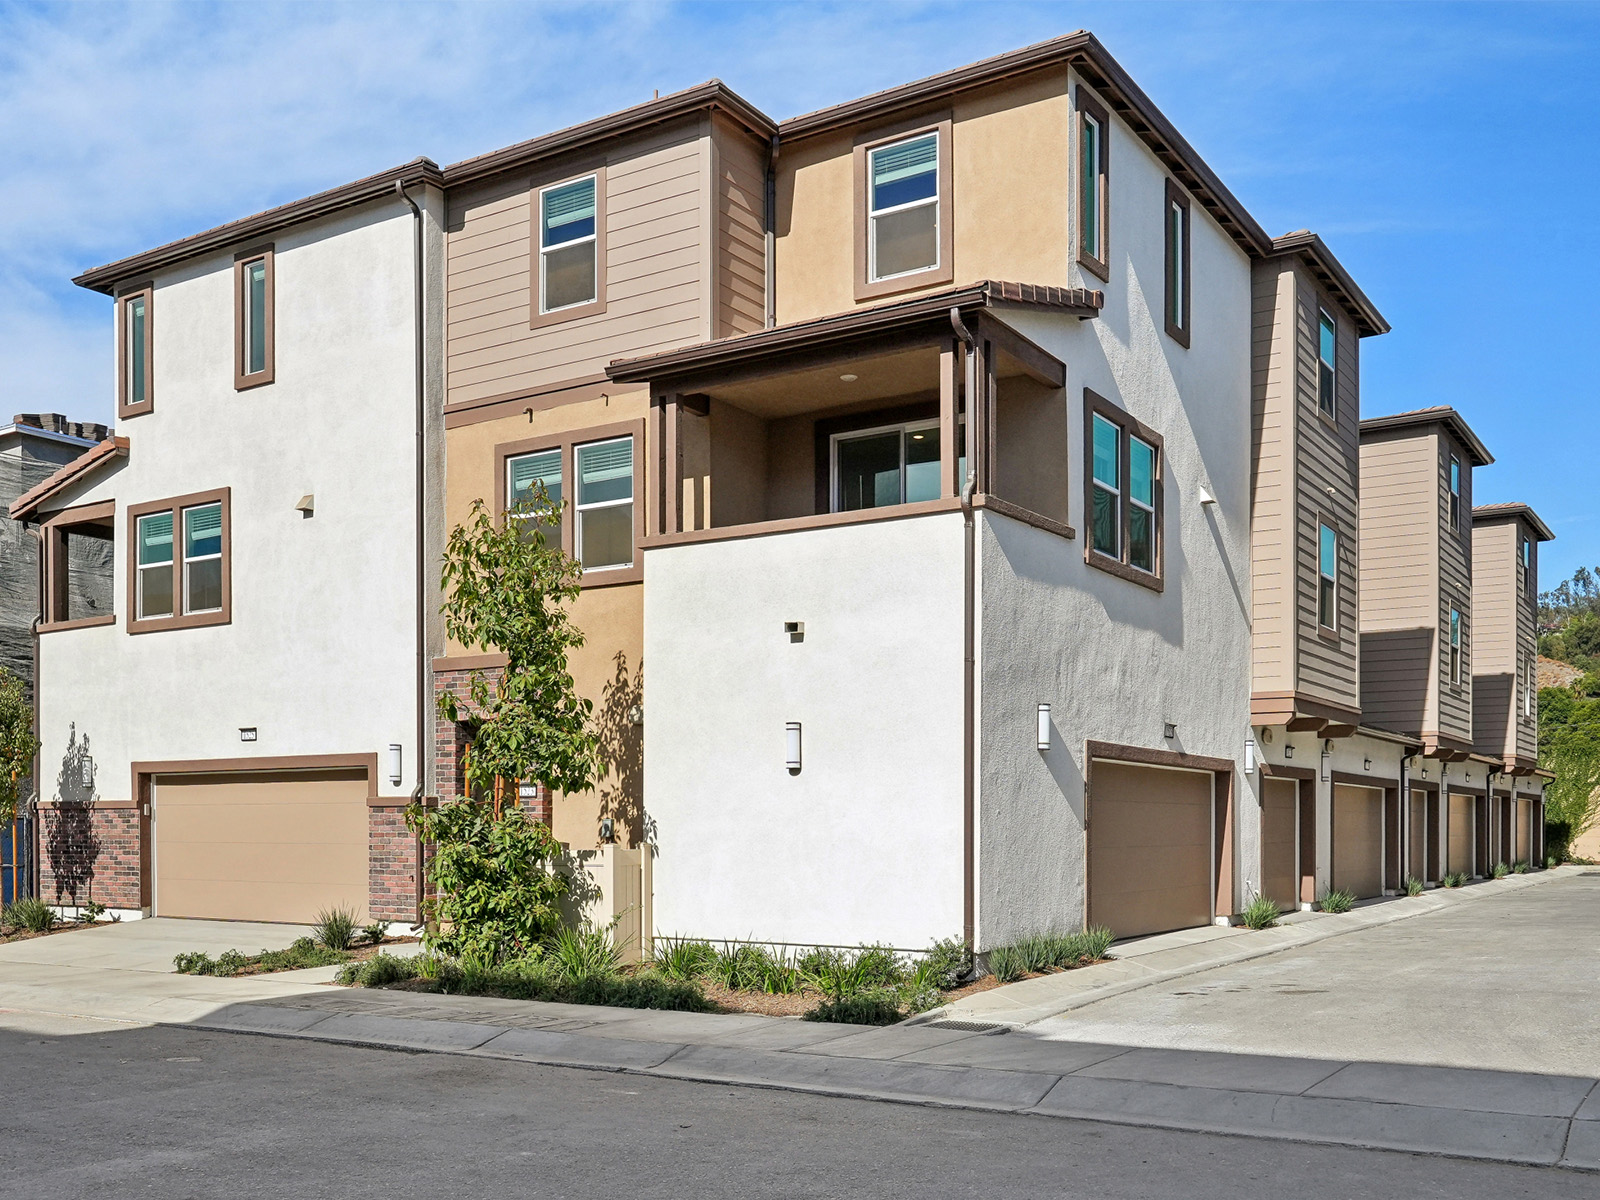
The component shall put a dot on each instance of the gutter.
(422, 679)
(35, 878)
(772, 233)
(969, 756)
(1403, 825)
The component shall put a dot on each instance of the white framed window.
(1455, 646)
(603, 537)
(568, 245)
(885, 465)
(202, 558)
(903, 207)
(1141, 504)
(524, 474)
(1327, 577)
(1106, 520)
(1327, 363)
(154, 556)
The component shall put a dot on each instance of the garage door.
(1417, 863)
(1358, 840)
(1149, 848)
(262, 846)
(1524, 826)
(1461, 833)
(1279, 805)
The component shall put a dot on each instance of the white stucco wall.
(865, 843)
(1114, 660)
(320, 654)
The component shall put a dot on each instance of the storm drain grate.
(970, 1026)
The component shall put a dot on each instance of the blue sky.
(1449, 154)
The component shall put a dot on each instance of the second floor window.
(1455, 492)
(1455, 646)
(253, 319)
(896, 464)
(1106, 521)
(134, 380)
(1124, 495)
(1527, 565)
(604, 511)
(1093, 190)
(1177, 272)
(1327, 577)
(179, 562)
(568, 245)
(523, 475)
(903, 208)
(202, 558)
(1528, 685)
(1327, 363)
(155, 594)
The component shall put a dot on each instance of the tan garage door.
(1524, 817)
(262, 846)
(1462, 809)
(1279, 805)
(1149, 848)
(1417, 863)
(1358, 839)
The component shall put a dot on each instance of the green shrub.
(375, 932)
(1520, 869)
(875, 1007)
(90, 913)
(1338, 901)
(335, 928)
(379, 971)
(230, 962)
(838, 973)
(533, 979)
(193, 962)
(585, 953)
(1261, 913)
(683, 958)
(1551, 863)
(1501, 870)
(1097, 940)
(946, 964)
(32, 914)
(1413, 885)
(1453, 879)
(1008, 963)
(302, 953)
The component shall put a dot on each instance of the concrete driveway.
(148, 945)
(1511, 982)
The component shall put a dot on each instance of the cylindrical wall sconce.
(394, 763)
(1044, 727)
(1327, 764)
(791, 747)
(1249, 755)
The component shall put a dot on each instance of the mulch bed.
(354, 954)
(23, 935)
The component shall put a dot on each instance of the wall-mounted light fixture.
(1206, 498)
(1249, 755)
(796, 630)
(86, 773)
(1327, 765)
(394, 763)
(307, 507)
(1169, 731)
(791, 747)
(1366, 764)
(1044, 728)
(1288, 749)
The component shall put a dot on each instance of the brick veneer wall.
(391, 866)
(451, 739)
(89, 853)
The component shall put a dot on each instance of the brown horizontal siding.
(741, 276)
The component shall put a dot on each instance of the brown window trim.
(536, 318)
(54, 530)
(824, 431)
(944, 272)
(1097, 264)
(566, 442)
(1325, 309)
(1328, 633)
(176, 505)
(1178, 333)
(1129, 424)
(241, 380)
(146, 291)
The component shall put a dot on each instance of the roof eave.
(1512, 512)
(1446, 417)
(25, 505)
(1314, 251)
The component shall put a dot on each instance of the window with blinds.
(202, 558)
(903, 207)
(539, 511)
(604, 532)
(568, 274)
(154, 558)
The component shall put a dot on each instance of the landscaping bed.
(31, 918)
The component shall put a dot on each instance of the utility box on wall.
(610, 884)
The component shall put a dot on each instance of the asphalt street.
(92, 1109)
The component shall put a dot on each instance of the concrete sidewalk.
(950, 1062)
(1142, 962)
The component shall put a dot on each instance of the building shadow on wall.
(71, 843)
(619, 724)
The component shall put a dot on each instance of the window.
(1093, 186)
(524, 474)
(253, 318)
(78, 547)
(604, 537)
(893, 464)
(1527, 565)
(1327, 577)
(1455, 492)
(1177, 237)
(1327, 363)
(1122, 494)
(903, 208)
(1455, 646)
(569, 245)
(1525, 679)
(135, 381)
(179, 569)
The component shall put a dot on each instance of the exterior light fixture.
(1249, 755)
(1044, 728)
(791, 747)
(847, 378)
(1169, 731)
(86, 775)
(394, 763)
(1366, 764)
(1327, 763)
(1288, 750)
(1206, 498)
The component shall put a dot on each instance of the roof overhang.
(867, 329)
(1442, 415)
(35, 498)
(1330, 272)
(1083, 52)
(1485, 514)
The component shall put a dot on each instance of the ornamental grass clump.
(1413, 885)
(682, 958)
(1261, 913)
(335, 928)
(30, 913)
(1338, 901)
(1501, 870)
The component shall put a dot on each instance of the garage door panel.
(261, 846)
(1524, 816)
(1358, 840)
(1280, 803)
(1149, 848)
(1461, 833)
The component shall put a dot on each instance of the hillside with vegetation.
(1569, 715)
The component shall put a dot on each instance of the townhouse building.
(986, 493)
(236, 733)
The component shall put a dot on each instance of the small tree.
(507, 590)
(17, 743)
